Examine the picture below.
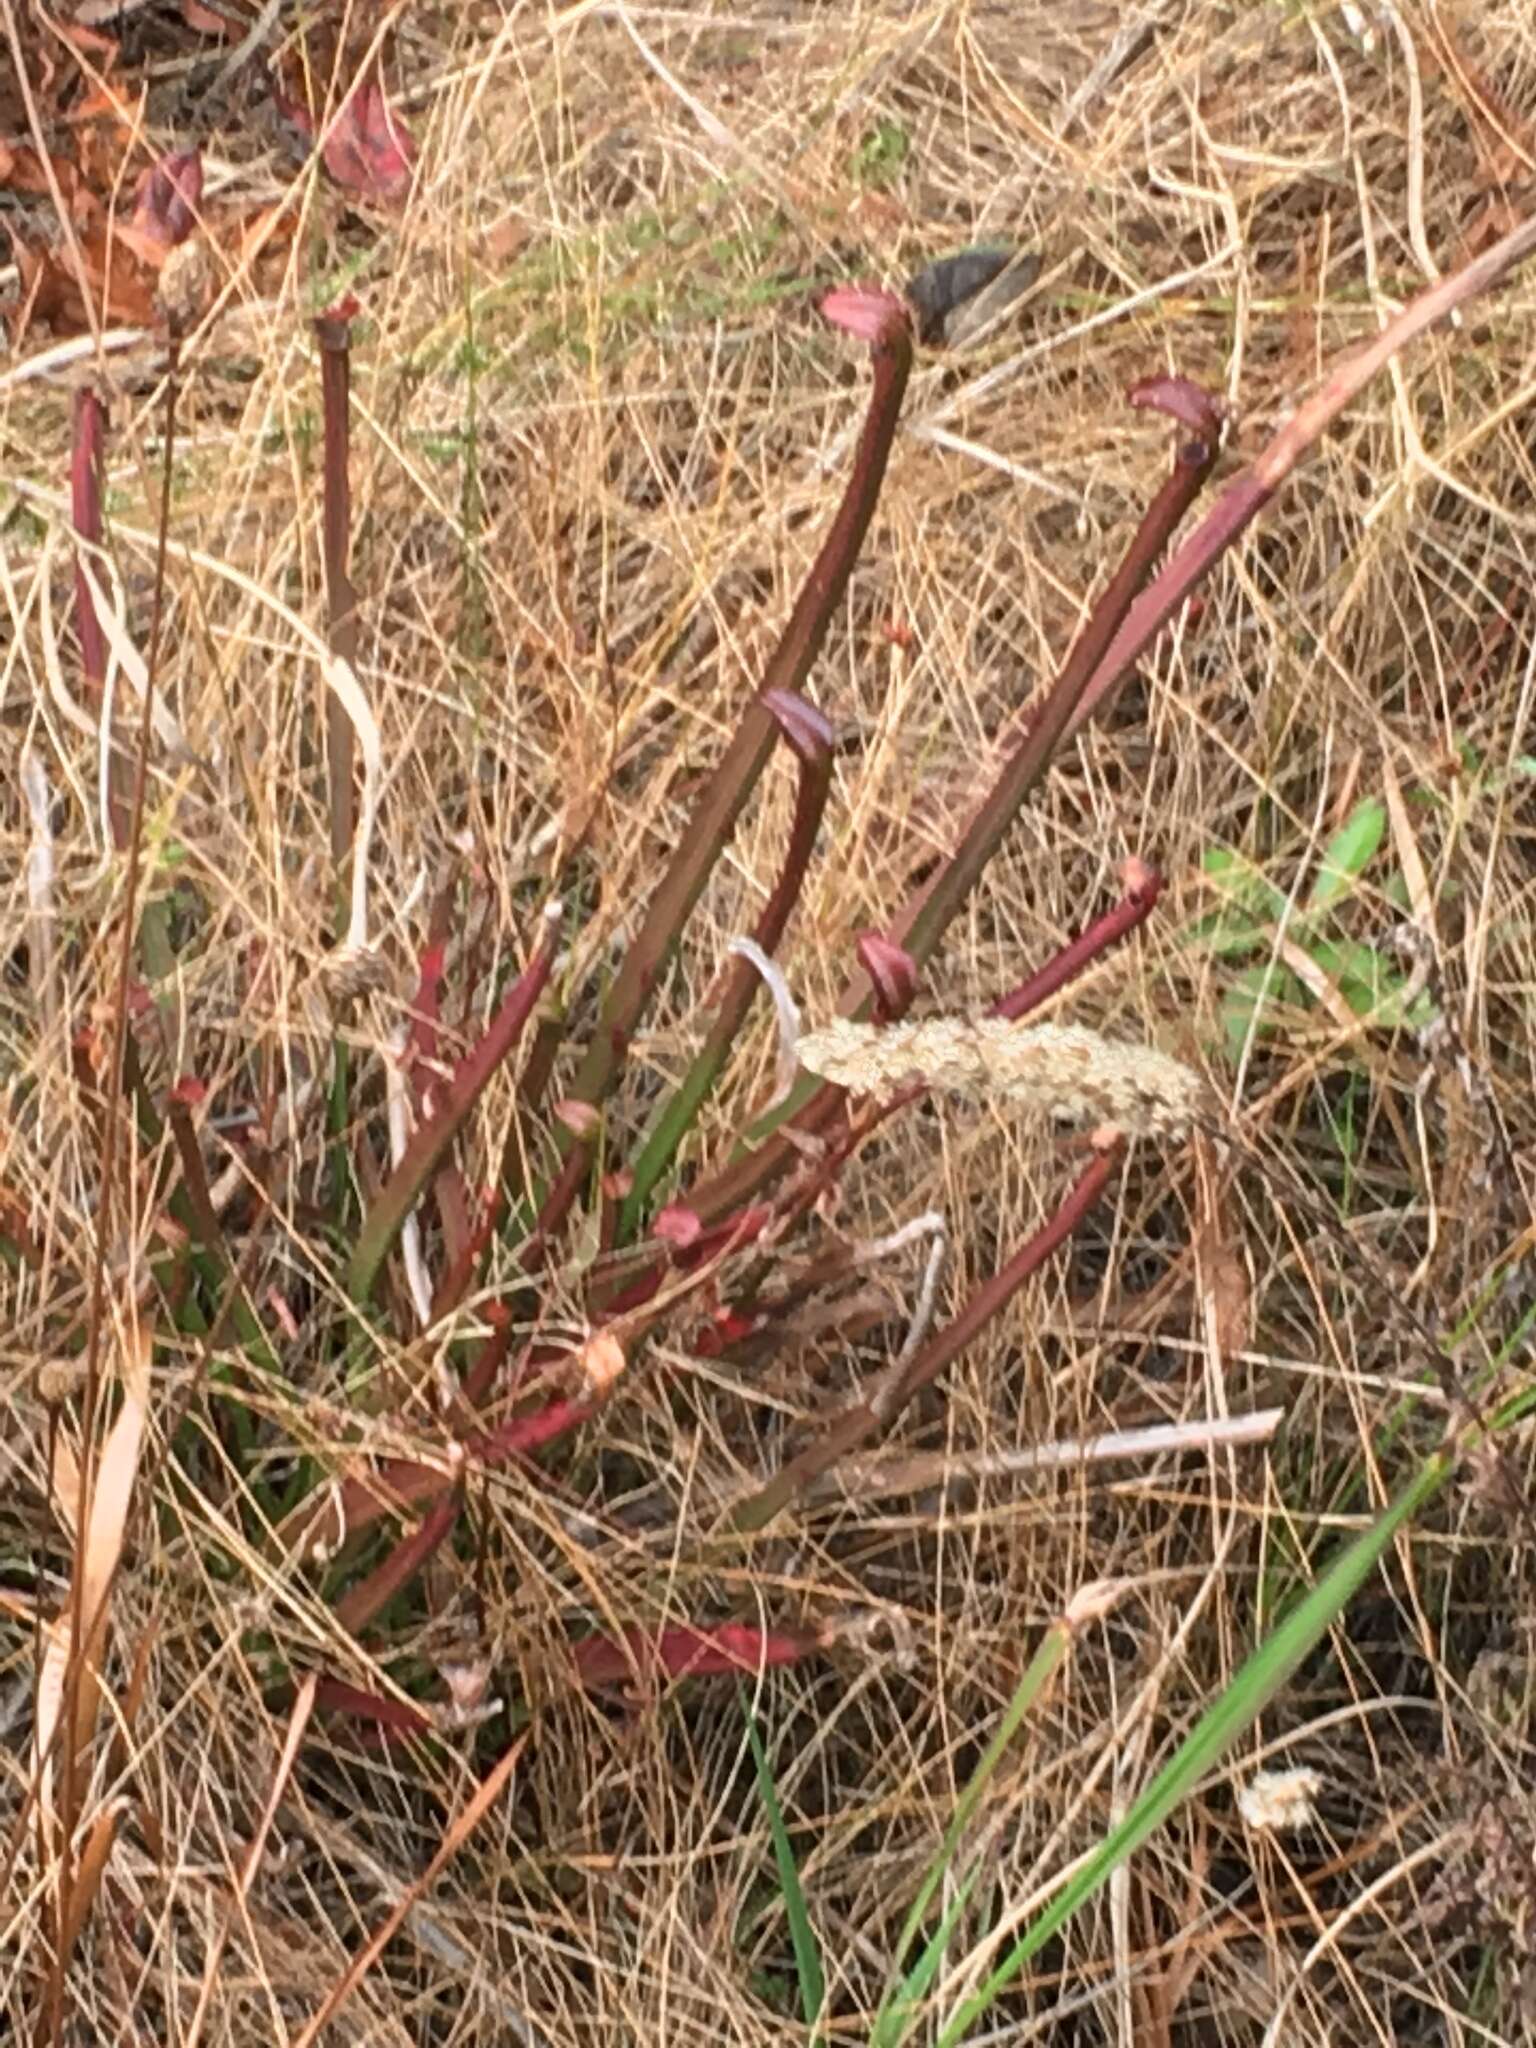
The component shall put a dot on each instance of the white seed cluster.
(1058, 1070)
(1280, 1801)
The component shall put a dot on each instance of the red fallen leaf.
(165, 203)
(120, 283)
(104, 104)
(47, 289)
(681, 1652)
(189, 1089)
(366, 148)
(21, 170)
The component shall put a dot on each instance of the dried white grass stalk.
(53, 668)
(111, 1495)
(711, 123)
(932, 1228)
(46, 1719)
(298, 1721)
(105, 715)
(64, 355)
(354, 967)
(34, 787)
(121, 653)
(870, 1479)
(65, 1482)
(1057, 1070)
(783, 1008)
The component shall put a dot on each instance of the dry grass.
(598, 428)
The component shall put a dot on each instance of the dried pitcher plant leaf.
(1064, 1071)
(97, 1551)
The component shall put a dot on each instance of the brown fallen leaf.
(121, 259)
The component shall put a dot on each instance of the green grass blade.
(895, 2007)
(894, 2020)
(1250, 1691)
(802, 1935)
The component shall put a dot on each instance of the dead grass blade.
(298, 1721)
(98, 1550)
(459, 1831)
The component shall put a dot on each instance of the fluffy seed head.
(1057, 1070)
(1280, 1800)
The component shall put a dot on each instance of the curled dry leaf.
(368, 148)
(97, 1552)
(967, 289)
(599, 1364)
(165, 204)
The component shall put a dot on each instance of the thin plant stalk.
(896, 2008)
(865, 1419)
(714, 819)
(333, 332)
(429, 1146)
(923, 923)
(106, 1223)
(809, 734)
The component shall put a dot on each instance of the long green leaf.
(1239, 1706)
(813, 1983)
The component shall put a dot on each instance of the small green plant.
(881, 154)
(1259, 930)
